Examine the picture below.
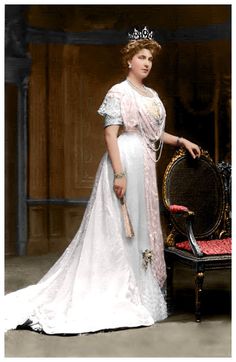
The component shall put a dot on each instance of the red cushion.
(175, 209)
(210, 247)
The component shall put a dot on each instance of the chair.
(196, 193)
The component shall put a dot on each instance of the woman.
(104, 279)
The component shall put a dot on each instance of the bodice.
(123, 105)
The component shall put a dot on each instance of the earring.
(130, 66)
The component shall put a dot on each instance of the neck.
(135, 81)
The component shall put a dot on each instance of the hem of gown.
(37, 327)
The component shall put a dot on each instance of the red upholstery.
(175, 209)
(210, 247)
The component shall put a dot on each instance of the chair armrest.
(178, 209)
(189, 216)
(191, 238)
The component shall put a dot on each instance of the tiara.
(143, 34)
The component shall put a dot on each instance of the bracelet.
(119, 175)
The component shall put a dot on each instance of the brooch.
(147, 257)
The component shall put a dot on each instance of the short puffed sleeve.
(110, 109)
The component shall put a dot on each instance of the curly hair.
(134, 46)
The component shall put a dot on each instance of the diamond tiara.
(143, 34)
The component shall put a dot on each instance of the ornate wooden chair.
(196, 193)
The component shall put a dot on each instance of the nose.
(146, 63)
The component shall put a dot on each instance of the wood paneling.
(38, 230)
(38, 124)
(11, 94)
(56, 120)
(86, 83)
(66, 139)
(64, 222)
(73, 216)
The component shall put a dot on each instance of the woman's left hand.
(191, 147)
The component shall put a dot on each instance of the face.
(141, 64)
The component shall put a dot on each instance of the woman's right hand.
(119, 186)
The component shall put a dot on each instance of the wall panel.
(38, 230)
(11, 94)
(38, 124)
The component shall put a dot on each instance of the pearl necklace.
(150, 144)
(143, 90)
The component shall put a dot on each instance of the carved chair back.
(198, 185)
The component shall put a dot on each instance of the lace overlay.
(153, 217)
(110, 109)
(100, 281)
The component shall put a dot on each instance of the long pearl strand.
(150, 144)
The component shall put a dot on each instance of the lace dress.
(104, 280)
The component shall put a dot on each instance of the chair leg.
(198, 295)
(169, 299)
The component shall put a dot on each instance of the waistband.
(132, 130)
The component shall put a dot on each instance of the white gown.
(100, 281)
